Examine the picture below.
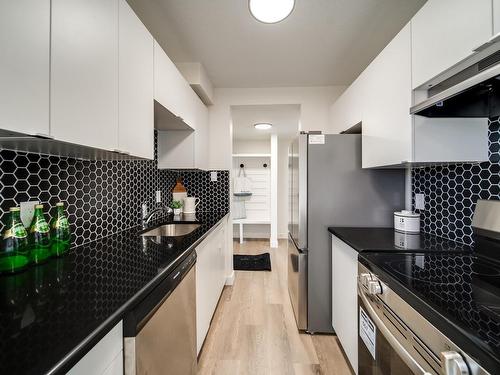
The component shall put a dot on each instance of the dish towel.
(242, 192)
(242, 185)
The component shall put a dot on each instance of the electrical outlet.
(27, 211)
(213, 176)
(420, 201)
(158, 196)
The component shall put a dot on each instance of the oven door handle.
(393, 341)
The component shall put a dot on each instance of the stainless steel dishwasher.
(160, 332)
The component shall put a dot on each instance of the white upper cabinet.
(171, 89)
(180, 117)
(84, 72)
(347, 110)
(445, 32)
(387, 123)
(24, 65)
(136, 105)
(496, 17)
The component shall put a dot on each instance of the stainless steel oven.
(394, 339)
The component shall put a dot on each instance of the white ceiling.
(283, 117)
(323, 42)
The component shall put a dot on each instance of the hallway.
(254, 331)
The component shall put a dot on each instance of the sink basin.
(171, 230)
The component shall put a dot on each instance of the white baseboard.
(230, 279)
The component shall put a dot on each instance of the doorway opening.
(261, 136)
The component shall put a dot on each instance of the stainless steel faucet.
(147, 216)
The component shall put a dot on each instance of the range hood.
(471, 93)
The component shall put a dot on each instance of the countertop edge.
(79, 351)
(334, 232)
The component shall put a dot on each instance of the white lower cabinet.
(210, 280)
(345, 298)
(105, 358)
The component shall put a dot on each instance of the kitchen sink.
(171, 230)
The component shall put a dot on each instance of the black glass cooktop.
(458, 293)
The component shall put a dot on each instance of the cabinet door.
(210, 280)
(171, 89)
(444, 32)
(106, 357)
(24, 65)
(136, 111)
(386, 119)
(115, 367)
(345, 298)
(496, 17)
(176, 149)
(84, 72)
(203, 287)
(347, 110)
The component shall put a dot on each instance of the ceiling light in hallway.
(263, 126)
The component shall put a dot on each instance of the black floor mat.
(261, 262)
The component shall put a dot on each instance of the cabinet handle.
(43, 136)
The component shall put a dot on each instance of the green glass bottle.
(61, 236)
(14, 252)
(39, 237)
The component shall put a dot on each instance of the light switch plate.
(420, 201)
(27, 211)
(213, 176)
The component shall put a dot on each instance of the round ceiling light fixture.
(263, 126)
(271, 11)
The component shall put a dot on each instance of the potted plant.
(176, 206)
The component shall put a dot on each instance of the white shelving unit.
(258, 207)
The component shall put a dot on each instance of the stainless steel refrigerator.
(328, 187)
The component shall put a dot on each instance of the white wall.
(314, 104)
(283, 187)
(252, 147)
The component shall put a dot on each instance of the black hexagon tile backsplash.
(101, 197)
(451, 191)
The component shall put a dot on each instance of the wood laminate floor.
(254, 331)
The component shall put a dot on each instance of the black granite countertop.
(52, 314)
(388, 240)
(458, 293)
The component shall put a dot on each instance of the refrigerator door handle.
(297, 282)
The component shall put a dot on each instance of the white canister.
(407, 221)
